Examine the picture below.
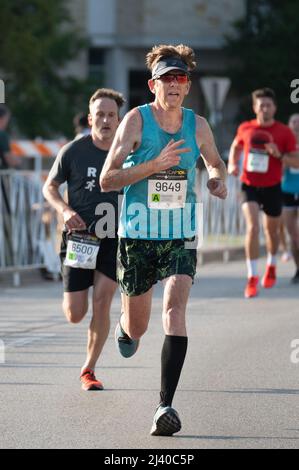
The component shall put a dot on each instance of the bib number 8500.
(83, 249)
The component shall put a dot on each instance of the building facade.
(121, 32)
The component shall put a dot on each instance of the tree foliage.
(38, 39)
(264, 51)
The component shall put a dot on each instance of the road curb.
(223, 254)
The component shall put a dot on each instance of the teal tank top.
(290, 181)
(139, 221)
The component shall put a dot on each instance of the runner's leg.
(271, 229)
(75, 305)
(251, 214)
(176, 294)
(290, 217)
(136, 314)
(283, 238)
(104, 290)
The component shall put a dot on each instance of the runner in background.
(88, 258)
(290, 187)
(81, 125)
(267, 143)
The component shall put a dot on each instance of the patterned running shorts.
(142, 263)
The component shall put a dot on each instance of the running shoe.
(89, 381)
(295, 279)
(166, 421)
(251, 289)
(269, 279)
(126, 345)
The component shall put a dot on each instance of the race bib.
(258, 161)
(82, 251)
(294, 171)
(167, 189)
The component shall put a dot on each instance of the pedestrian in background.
(7, 160)
(81, 125)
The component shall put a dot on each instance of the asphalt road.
(239, 388)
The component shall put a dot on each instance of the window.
(101, 17)
(96, 63)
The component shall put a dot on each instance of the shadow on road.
(258, 391)
(26, 384)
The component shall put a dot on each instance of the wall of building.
(125, 30)
(199, 22)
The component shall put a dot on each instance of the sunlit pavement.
(239, 387)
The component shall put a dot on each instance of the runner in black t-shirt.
(89, 242)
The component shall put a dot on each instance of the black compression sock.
(172, 361)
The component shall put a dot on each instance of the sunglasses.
(170, 77)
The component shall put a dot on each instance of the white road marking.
(11, 343)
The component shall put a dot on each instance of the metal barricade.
(222, 219)
(23, 230)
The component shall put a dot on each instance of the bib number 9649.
(164, 187)
(167, 189)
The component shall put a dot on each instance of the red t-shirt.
(259, 168)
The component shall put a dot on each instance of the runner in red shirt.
(265, 143)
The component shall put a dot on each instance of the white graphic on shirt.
(90, 185)
(91, 172)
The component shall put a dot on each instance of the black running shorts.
(269, 199)
(76, 279)
(291, 201)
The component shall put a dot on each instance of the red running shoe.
(89, 381)
(269, 279)
(251, 289)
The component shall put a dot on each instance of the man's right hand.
(170, 155)
(73, 220)
(233, 169)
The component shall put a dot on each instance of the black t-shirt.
(80, 163)
(4, 148)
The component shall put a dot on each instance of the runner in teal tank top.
(153, 157)
(290, 188)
